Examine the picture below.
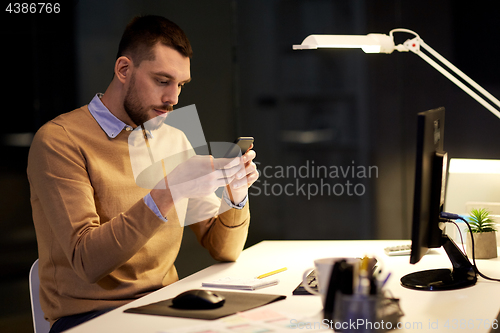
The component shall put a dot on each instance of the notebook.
(240, 283)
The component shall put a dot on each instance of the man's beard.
(138, 113)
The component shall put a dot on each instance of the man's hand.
(200, 176)
(245, 177)
(196, 177)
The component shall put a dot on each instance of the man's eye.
(160, 81)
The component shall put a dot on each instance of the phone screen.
(243, 143)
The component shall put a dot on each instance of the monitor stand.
(463, 274)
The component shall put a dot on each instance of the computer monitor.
(429, 196)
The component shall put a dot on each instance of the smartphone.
(244, 143)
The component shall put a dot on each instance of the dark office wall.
(305, 109)
(248, 81)
(402, 84)
(38, 82)
(282, 90)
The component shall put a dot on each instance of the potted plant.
(484, 233)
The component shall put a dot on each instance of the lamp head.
(371, 43)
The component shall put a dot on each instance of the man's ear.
(123, 66)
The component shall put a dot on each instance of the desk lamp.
(380, 43)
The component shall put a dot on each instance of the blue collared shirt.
(112, 126)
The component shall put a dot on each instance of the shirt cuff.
(148, 200)
(230, 204)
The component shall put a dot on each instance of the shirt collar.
(111, 125)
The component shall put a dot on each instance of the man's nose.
(171, 95)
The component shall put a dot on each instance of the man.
(103, 240)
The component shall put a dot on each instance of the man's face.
(154, 86)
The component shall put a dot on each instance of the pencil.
(272, 273)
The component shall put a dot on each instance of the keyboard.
(311, 281)
(398, 250)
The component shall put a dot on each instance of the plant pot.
(485, 244)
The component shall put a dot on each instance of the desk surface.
(466, 310)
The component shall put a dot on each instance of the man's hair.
(144, 32)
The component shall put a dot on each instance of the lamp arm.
(460, 84)
(460, 73)
(452, 78)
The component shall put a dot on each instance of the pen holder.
(365, 313)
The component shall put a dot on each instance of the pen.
(271, 273)
(364, 279)
(385, 280)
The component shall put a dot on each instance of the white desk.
(466, 310)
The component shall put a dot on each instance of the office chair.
(40, 325)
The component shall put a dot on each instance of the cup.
(323, 269)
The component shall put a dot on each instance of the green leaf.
(480, 221)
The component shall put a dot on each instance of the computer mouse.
(198, 299)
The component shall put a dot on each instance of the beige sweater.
(99, 244)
